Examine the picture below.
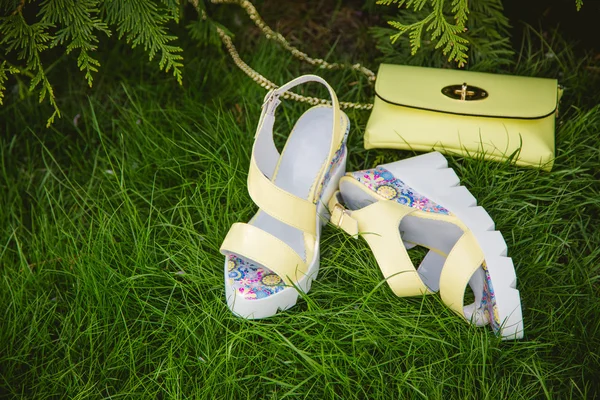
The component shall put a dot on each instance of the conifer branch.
(19, 7)
(28, 41)
(172, 7)
(448, 35)
(142, 22)
(5, 70)
(77, 21)
(75, 25)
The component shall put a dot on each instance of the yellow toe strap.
(378, 224)
(265, 249)
(462, 262)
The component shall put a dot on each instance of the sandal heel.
(457, 197)
(503, 270)
(507, 300)
(433, 160)
(512, 316)
(476, 218)
(492, 243)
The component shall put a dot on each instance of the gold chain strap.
(271, 34)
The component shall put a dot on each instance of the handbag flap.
(484, 95)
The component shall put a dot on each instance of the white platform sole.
(287, 298)
(429, 175)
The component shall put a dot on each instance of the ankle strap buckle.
(271, 101)
(342, 219)
(337, 215)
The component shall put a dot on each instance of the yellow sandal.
(274, 256)
(418, 201)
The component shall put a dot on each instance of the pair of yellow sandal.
(417, 201)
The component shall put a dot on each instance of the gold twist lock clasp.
(464, 92)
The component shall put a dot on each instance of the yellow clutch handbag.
(495, 116)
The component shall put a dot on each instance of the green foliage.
(75, 26)
(111, 281)
(476, 30)
(486, 31)
(28, 41)
(203, 30)
(5, 70)
(78, 21)
(142, 22)
(34, 34)
(435, 22)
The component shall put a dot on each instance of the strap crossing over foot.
(384, 239)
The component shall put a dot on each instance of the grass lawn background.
(111, 283)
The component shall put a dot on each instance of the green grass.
(111, 280)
